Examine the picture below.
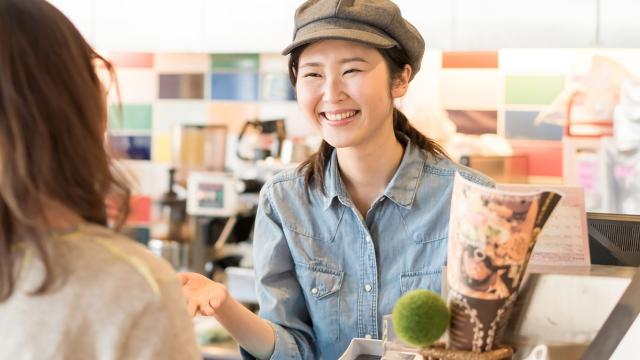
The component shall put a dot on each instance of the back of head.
(52, 124)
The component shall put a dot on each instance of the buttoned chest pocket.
(321, 288)
(427, 279)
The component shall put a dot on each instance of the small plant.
(420, 317)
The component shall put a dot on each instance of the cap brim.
(364, 37)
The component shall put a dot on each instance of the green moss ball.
(420, 317)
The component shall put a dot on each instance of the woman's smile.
(339, 118)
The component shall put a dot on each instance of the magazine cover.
(491, 237)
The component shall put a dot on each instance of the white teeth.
(337, 117)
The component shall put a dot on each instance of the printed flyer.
(492, 234)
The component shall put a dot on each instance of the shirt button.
(368, 336)
(369, 238)
(381, 199)
(314, 291)
(367, 288)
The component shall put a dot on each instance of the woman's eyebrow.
(352, 59)
(310, 64)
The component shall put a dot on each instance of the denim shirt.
(325, 274)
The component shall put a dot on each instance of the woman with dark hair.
(70, 288)
(365, 219)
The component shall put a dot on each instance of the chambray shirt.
(325, 274)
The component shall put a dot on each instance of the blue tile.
(276, 87)
(139, 234)
(132, 147)
(520, 125)
(234, 86)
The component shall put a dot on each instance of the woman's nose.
(333, 90)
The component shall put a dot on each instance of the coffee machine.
(222, 211)
(261, 139)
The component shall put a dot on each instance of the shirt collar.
(401, 189)
(333, 185)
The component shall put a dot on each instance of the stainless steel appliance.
(261, 139)
(222, 210)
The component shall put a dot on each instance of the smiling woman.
(365, 219)
(342, 88)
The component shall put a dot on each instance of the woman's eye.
(311, 75)
(351, 71)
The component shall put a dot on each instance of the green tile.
(533, 90)
(134, 117)
(235, 62)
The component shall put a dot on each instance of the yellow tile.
(161, 148)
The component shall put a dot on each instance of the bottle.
(169, 214)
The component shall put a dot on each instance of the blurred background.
(539, 92)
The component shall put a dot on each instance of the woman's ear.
(401, 83)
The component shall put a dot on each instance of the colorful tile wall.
(470, 59)
(532, 89)
(470, 90)
(234, 86)
(276, 86)
(140, 233)
(235, 77)
(130, 117)
(181, 86)
(131, 60)
(140, 210)
(235, 62)
(133, 147)
(233, 114)
(161, 148)
(545, 157)
(474, 122)
(491, 92)
(521, 125)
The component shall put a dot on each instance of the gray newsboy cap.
(377, 23)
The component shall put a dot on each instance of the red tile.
(545, 157)
(140, 209)
(470, 59)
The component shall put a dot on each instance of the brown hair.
(314, 167)
(53, 118)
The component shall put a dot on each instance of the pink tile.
(131, 60)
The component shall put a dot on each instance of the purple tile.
(181, 86)
(475, 122)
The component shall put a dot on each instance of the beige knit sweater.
(118, 301)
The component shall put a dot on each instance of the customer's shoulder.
(445, 167)
(106, 251)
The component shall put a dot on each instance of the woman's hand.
(204, 296)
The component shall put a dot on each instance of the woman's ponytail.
(401, 125)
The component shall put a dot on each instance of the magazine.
(492, 234)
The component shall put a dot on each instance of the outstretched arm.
(210, 298)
